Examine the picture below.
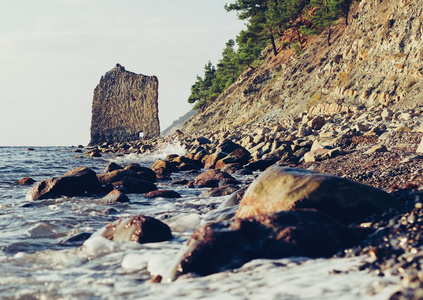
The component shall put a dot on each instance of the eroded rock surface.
(124, 105)
(80, 181)
(140, 229)
(280, 189)
(223, 245)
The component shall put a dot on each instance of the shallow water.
(38, 261)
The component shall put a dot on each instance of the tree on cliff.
(265, 21)
(200, 90)
(268, 18)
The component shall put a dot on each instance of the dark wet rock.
(112, 167)
(243, 172)
(178, 160)
(227, 146)
(211, 176)
(94, 153)
(137, 186)
(163, 168)
(232, 168)
(163, 194)
(238, 156)
(115, 196)
(25, 181)
(144, 172)
(228, 181)
(224, 245)
(210, 160)
(110, 211)
(220, 214)
(200, 155)
(77, 239)
(170, 157)
(280, 188)
(162, 164)
(188, 166)
(220, 191)
(140, 229)
(203, 140)
(234, 199)
(80, 181)
(261, 164)
(118, 175)
(180, 182)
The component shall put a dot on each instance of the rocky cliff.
(125, 104)
(374, 61)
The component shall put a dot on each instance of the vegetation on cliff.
(266, 21)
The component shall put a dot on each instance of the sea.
(47, 251)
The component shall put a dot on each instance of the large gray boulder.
(281, 189)
(140, 229)
(223, 245)
(80, 181)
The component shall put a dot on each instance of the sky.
(54, 52)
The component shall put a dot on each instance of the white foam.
(42, 229)
(134, 261)
(284, 279)
(96, 245)
(149, 158)
(159, 264)
(182, 223)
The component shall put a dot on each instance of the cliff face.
(377, 60)
(124, 105)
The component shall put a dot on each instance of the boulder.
(210, 160)
(188, 167)
(213, 175)
(25, 181)
(281, 189)
(317, 122)
(200, 155)
(144, 172)
(165, 165)
(112, 167)
(140, 229)
(232, 168)
(321, 154)
(80, 181)
(117, 176)
(203, 140)
(261, 164)
(224, 245)
(227, 146)
(238, 156)
(179, 182)
(115, 196)
(163, 194)
(163, 168)
(220, 191)
(137, 186)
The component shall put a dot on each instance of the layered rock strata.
(374, 61)
(125, 107)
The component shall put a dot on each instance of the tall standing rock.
(125, 104)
